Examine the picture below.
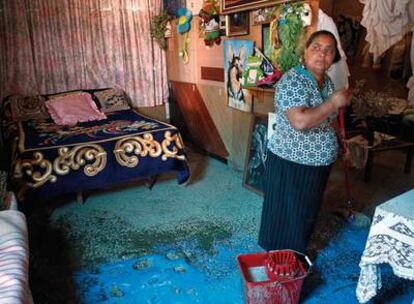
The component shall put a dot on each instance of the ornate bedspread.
(50, 159)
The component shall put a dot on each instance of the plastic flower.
(184, 17)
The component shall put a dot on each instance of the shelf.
(263, 90)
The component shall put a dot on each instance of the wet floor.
(178, 244)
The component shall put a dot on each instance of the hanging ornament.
(209, 14)
(212, 7)
(184, 17)
(290, 33)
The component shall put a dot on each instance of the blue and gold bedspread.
(52, 159)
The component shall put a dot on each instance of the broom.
(356, 218)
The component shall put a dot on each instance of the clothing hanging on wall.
(339, 72)
(386, 21)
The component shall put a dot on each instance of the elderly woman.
(303, 147)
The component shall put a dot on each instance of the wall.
(232, 125)
(348, 8)
(327, 6)
(158, 112)
(334, 8)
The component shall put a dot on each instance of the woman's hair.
(316, 34)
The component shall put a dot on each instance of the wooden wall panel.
(215, 74)
(220, 113)
(207, 56)
(177, 70)
(348, 8)
(201, 127)
(263, 102)
(157, 112)
(326, 6)
(241, 127)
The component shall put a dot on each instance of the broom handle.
(345, 151)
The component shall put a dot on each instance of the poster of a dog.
(235, 58)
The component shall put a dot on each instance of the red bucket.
(274, 277)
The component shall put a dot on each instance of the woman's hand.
(302, 118)
(341, 98)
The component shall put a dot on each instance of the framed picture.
(265, 40)
(262, 15)
(222, 25)
(172, 6)
(255, 163)
(266, 45)
(231, 6)
(237, 24)
(271, 124)
(235, 58)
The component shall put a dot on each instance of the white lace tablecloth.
(390, 240)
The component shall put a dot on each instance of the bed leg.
(79, 197)
(152, 182)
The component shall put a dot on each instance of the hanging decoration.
(184, 17)
(159, 26)
(209, 14)
(288, 28)
(212, 7)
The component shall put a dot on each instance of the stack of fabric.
(14, 255)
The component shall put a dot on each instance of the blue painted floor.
(178, 244)
(184, 274)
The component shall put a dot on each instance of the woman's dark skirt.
(292, 198)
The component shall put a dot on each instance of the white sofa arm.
(14, 258)
(10, 201)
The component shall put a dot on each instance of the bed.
(49, 159)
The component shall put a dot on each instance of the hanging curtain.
(57, 45)
(16, 57)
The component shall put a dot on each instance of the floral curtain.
(57, 45)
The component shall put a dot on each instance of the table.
(390, 240)
(395, 144)
(391, 124)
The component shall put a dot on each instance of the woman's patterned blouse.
(315, 147)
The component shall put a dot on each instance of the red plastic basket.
(274, 277)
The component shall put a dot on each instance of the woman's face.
(320, 54)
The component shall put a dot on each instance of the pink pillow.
(73, 108)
